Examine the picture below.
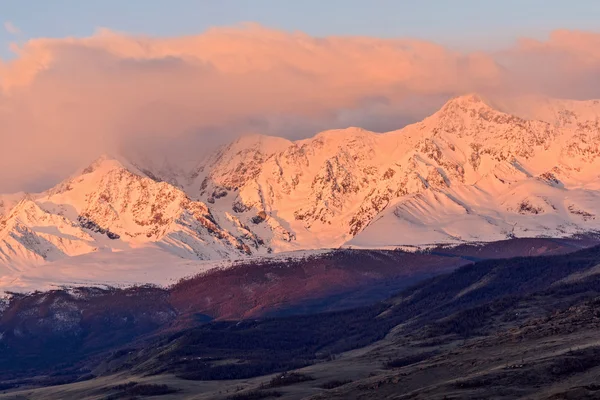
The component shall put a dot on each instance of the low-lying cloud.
(65, 101)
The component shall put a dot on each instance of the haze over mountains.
(469, 173)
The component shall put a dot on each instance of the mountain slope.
(507, 328)
(277, 304)
(467, 173)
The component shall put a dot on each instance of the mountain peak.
(470, 107)
(108, 162)
(467, 101)
(110, 157)
(345, 134)
(263, 143)
(104, 165)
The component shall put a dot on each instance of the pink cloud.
(111, 90)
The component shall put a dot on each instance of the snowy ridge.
(468, 173)
(109, 207)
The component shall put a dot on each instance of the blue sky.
(468, 24)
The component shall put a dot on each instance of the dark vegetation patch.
(255, 395)
(52, 331)
(473, 383)
(7, 386)
(134, 389)
(265, 346)
(286, 379)
(409, 360)
(541, 373)
(207, 372)
(335, 383)
(575, 362)
(472, 321)
(433, 300)
(577, 393)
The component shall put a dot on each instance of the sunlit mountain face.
(469, 173)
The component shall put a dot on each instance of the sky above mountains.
(462, 23)
(190, 73)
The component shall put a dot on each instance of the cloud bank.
(64, 101)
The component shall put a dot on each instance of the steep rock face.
(110, 205)
(324, 191)
(311, 191)
(501, 176)
(30, 233)
(8, 201)
(236, 164)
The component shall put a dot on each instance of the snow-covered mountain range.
(468, 173)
